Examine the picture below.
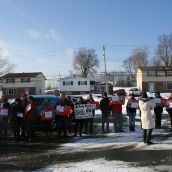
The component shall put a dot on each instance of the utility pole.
(105, 68)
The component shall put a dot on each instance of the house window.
(10, 80)
(169, 73)
(82, 82)
(151, 73)
(11, 91)
(167, 86)
(25, 79)
(67, 82)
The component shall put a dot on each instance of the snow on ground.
(102, 165)
(116, 140)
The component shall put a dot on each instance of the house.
(100, 87)
(75, 85)
(14, 84)
(154, 79)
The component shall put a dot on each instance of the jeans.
(132, 117)
(117, 121)
(105, 119)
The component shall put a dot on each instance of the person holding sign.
(4, 116)
(158, 109)
(105, 108)
(17, 117)
(146, 106)
(62, 120)
(46, 116)
(89, 121)
(30, 118)
(116, 107)
(132, 106)
(169, 107)
(78, 121)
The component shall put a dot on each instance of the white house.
(14, 84)
(75, 85)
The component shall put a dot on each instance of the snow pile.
(101, 165)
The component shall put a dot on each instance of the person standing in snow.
(116, 107)
(146, 117)
(105, 108)
(158, 109)
(131, 107)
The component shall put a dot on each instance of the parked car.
(134, 91)
(121, 92)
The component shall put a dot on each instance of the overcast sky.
(41, 35)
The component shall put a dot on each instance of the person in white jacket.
(145, 106)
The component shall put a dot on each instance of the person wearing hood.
(146, 117)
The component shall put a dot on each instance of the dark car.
(121, 92)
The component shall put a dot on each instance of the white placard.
(28, 107)
(4, 112)
(157, 100)
(83, 111)
(60, 108)
(48, 114)
(170, 105)
(20, 115)
(93, 106)
(115, 98)
(134, 105)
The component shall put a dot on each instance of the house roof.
(18, 75)
(72, 77)
(153, 68)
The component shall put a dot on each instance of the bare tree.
(138, 58)
(156, 61)
(164, 49)
(5, 65)
(85, 61)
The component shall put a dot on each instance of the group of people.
(21, 114)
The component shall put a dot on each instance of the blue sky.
(41, 35)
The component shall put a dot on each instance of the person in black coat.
(79, 122)
(17, 117)
(105, 108)
(158, 111)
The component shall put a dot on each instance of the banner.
(83, 111)
(95, 105)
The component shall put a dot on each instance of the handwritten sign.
(115, 98)
(48, 114)
(4, 112)
(60, 108)
(83, 111)
(134, 105)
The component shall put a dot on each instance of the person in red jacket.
(132, 106)
(116, 107)
(30, 118)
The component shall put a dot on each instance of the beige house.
(154, 79)
(14, 84)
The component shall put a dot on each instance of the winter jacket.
(30, 112)
(116, 108)
(129, 105)
(104, 105)
(146, 116)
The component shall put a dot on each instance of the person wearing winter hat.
(146, 118)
